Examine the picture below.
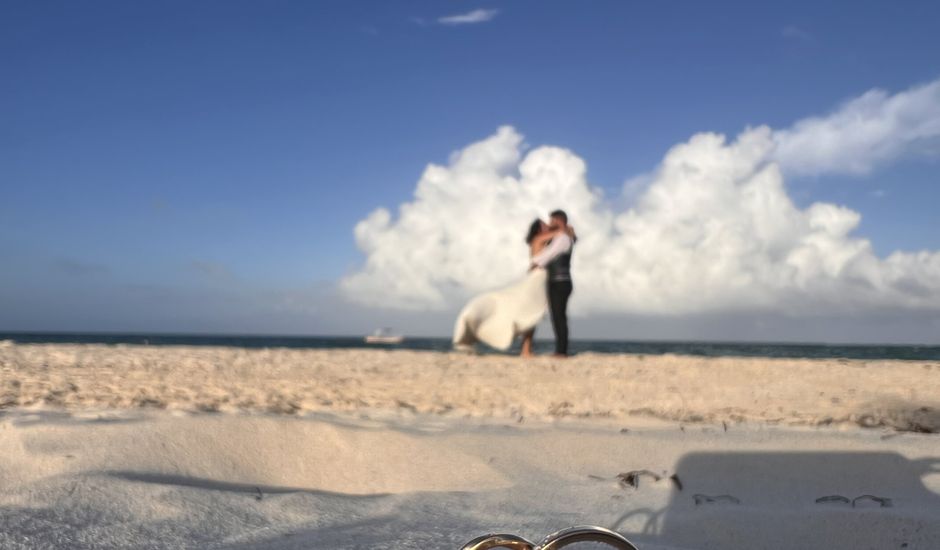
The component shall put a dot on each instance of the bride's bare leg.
(527, 343)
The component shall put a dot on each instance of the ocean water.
(705, 349)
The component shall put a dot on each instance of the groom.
(556, 257)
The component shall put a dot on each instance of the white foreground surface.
(175, 480)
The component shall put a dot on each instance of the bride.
(497, 317)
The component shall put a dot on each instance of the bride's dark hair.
(534, 230)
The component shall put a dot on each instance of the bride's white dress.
(496, 318)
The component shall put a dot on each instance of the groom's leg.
(563, 340)
(554, 309)
(558, 294)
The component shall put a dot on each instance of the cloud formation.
(865, 132)
(469, 18)
(712, 229)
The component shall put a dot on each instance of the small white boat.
(384, 336)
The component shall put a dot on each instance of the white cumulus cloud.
(711, 229)
(863, 133)
(469, 18)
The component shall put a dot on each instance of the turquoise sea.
(707, 349)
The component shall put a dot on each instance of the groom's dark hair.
(560, 214)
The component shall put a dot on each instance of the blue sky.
(194, 147)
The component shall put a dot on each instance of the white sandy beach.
(900, 394)
(112, 447)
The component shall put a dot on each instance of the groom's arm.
(559, 245)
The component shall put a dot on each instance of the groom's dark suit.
(556, 258)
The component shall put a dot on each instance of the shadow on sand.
(259, 491)
(811, 499)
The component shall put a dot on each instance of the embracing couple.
(498, 317)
